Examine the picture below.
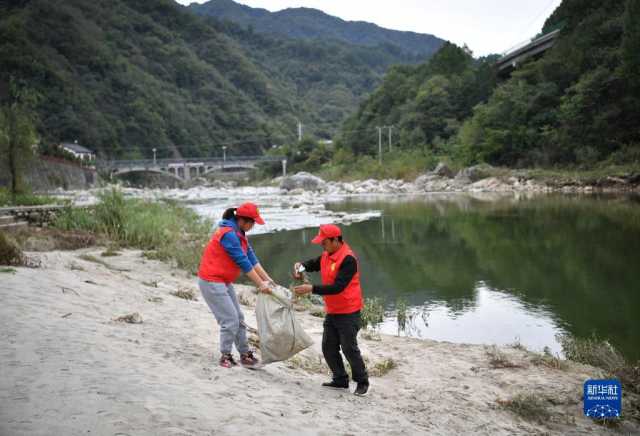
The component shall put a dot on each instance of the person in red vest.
(226, 256)
(343, 302)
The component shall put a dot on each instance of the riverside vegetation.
(165, 230)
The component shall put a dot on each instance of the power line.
(528, 27)
(525, 30)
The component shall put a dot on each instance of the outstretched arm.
(347, 270)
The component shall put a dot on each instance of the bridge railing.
(527, 45)
(166, 162)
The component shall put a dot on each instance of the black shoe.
(362, 389)
(336, 384)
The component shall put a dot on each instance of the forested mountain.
(579, 104)
(124, 76)
(306, 23)
(326, 80)
(425, 104)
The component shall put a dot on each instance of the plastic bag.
(281, 336)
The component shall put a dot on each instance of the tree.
(631, 40)
(17, 136)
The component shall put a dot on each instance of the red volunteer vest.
(216, 265)
(350, 299)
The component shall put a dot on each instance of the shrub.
(10, 253)
(372, 313)
(592, 351)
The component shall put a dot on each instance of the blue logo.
(602, 399)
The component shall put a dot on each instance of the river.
(497, 271)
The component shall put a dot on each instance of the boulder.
(443, 170)
(425, 179)
(474, 173)
(303, 180)
(490, 184)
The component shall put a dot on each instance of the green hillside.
(123, 77)
(577, 105)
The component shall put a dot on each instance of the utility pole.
(299, 131)
(154, 156)
(379, 145)
(224, 155)
(390, 127)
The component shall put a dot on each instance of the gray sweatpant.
(223, 302)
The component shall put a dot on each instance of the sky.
(486, 26)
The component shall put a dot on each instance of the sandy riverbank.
(69, 369)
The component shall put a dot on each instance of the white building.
(78, 150)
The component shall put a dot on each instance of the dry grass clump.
(497, 359)
(383, 367)
(549, 360)
(185, 294)
(131, 318)
(528, 406)
(110, 252)
(314, 365)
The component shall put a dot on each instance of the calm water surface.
(493, 271)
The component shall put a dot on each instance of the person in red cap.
(225, 257)
(343, 302)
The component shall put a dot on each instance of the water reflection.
(498, 316)
(493, 271)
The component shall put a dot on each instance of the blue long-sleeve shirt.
(231, 244)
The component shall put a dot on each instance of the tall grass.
(592, 351)
(23, 199)
(172, 231)
(401, 314)
(372, 313)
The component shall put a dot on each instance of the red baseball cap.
(249, 210)
(327, 231)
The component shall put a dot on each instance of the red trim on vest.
(216, 265)
(350, 299)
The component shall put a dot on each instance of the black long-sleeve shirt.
(348, 269)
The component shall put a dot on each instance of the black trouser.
(341, 331)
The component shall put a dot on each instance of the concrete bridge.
(528, 49)
(188, 168)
